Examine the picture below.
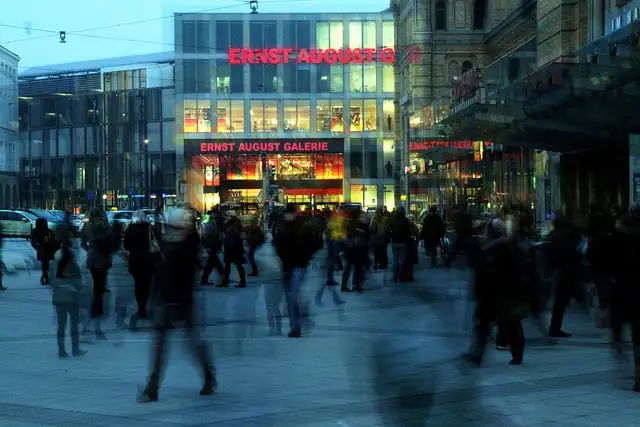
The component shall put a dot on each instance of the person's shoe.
(206, 283)
(502, 347)
(209, 387)
(341, 303)
(558, 334)
(359, 290)
(222, 285)
(43, 281)
(62, 354)
(295, 333)
(149, 394)
(100, 336)
(345, 289)
(254, 274)
(3, 288)
(318, 301)
(516, 361)
(241, 285)
(60, 276)
(78, 353)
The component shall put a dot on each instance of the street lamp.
(104, 202)
(147, 174)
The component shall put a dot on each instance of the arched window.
(466, 66)
(460, 14)
(454, 70)
(441, 15)
(479, 14)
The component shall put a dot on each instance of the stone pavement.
(387, 359)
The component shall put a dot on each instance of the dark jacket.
(176, 277)
(357, 244)
(98, 239)
(294, 242)
(432, 229)
(136, 241)
(233, 246)
(67, 290)
(255, 236)
(43, 241)
(400, 229)
(211, 235)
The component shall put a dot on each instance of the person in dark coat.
(212, 244)
(44, 242)
(142, 262)
(432, 232)
(356, 250)
(174, 300)
(255, 239)
(63, 236)
(400, 232)
(233, 252)
(2, 287)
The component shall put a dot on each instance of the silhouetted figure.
(63, 236)
(45, 244)
(389, 169)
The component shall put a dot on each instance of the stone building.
(8, 128)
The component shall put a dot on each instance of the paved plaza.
(388, 359)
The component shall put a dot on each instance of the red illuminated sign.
(426, 145)
(266, 146)
(239, 56)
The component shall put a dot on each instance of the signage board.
(259, 146)
(241, 56)
(461, 145)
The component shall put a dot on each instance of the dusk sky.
(135, 26)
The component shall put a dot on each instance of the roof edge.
(10, 53)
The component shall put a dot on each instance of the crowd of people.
(166, 263)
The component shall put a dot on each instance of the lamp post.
(147, 175)
(104, 202)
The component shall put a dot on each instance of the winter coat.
(233, 245)
(67, 290)
(255, 236)
(400, 228)
(175, 280)
(432, 229)
(294, 243)
(45, 243)
(98, 239)
(137, 243)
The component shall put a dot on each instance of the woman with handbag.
(140, 241)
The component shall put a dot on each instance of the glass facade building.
(295, 82)
(98, 133)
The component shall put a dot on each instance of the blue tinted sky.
(42, 48)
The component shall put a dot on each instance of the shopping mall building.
(308, 96)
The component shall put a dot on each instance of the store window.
(356, 160)
(329, 115)
(330, 78)
(322, 35)
(371, 158)
(229, 78)
(197, 115)
(389, 197)
(388, 157)
(264, 116)
(295, 34)
(388, 114)
(296, 78)
(369, 35)
(264, 78)
(388, 78)
(297, 116)
(362, 115)
(370, 117)
(196, 75)
(355, 35)
(388, 34)
(366, 195)
(230, 115)
(369, 80)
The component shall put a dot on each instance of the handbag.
(154, 246)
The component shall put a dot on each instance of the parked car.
(75, 220)
(52, 220)
(121, 217)
(17, 224)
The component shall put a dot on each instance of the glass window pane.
(204, 115)
(289, 73)
(257, 116)
(270, 78)
(322, 73)
(388, 36)
(255, 35)
(356, 164)
(388, 78)
(322, 35)
(337, 117)
(355, 115)
(370, 159)
(188, 37)
(388, 111)
(190, 116)
(256, 78)
(355, 35)
(389, 157)
(222, 36)
(204, 76)
(223, 79)
(337, 79)
(369, 35)
(237, 40)
(336, 38)
(203, 37)
(237, 116)
(271, 116)
(270, 37)
(237, 79)
(323, 116)
(355, 77)
(369, 71)
(370, 117)
(223, 116)
(304, 78)
(189, 76)
(389, 197)
(304, 29)
(290, 116)
(357, 194)
(289, 34)
(304, 116)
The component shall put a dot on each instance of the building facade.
(309, 97)
(98, 133)
(8, 128)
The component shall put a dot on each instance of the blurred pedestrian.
(380, 240)
(233, 252)
(2, 266)
(212, 244)
(63, 236)
(255, 239)
(432, 232)
(44, 242)
(174, 300)
(400, 233)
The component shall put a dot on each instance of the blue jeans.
(333, 255)
(292, 284)
(399, 251)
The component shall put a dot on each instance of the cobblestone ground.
(387, 359)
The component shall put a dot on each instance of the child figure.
(67, 293)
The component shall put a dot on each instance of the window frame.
(440, 15)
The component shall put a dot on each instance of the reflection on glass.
(388, 36)
(388, 113)
(257, 116)
(355, 115)
(337, 79)
(370, 122)
(307, 166)
(388, 78)
(355, 35)
(329, 116)
(336, 38)
(197, 116)
(369, 38)
(237, 116)
(290, 116)
(355, 77)
(271, 116)
(369, 77)
(304, 116)
(322, 35)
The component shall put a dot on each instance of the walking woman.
(99, 241)
(44, 242)
(140, 241)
